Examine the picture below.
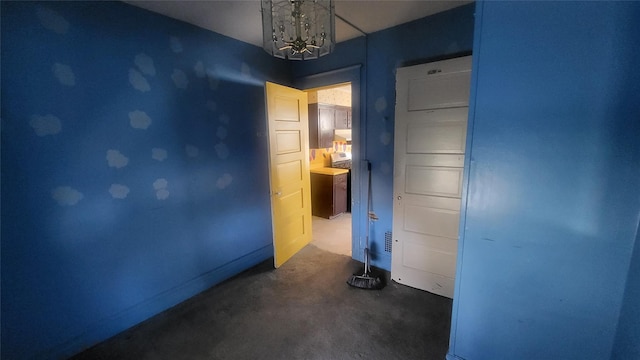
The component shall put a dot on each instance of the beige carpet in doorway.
(333, 235)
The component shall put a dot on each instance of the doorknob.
(277, 193)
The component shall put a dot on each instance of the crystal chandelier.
(298, 29)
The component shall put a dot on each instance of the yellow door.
(287, 114)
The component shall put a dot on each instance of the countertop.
(328, 171)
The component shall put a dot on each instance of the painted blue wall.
(553, 196)
(445, 34)
(627, 345)
(133, 158)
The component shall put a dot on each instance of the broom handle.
(367, 265)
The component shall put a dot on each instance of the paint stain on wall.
(145, 64)
(138, 81)
(118, 191)
(180, 79)
(66, 195)
(64, 74)
(224, 181)
(222, 150)
(45, 125)
(380, 104)
(191, 151)
(139, 120)
(159, 154)
(116, 159)
(222, 132)
(53, 21)
(160, 185)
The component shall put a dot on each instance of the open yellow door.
(287, 113)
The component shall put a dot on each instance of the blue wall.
(553, 196)
(444, 34)
(627, 345)
(133, 157)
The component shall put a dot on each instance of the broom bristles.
(365, 281)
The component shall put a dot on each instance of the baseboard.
(114, 325)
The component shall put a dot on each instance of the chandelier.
(298, 29)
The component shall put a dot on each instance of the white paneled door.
(430, 133)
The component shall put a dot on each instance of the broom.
(367, 280)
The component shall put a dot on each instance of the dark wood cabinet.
(328, 195)
(342, 117)
(323, 119)
(321, 125)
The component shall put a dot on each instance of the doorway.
(429, 149)
(287, 115)
(330, 159)
(353, 75)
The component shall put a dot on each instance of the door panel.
(443, 160)
(430, 221)
(441, 84)
(420, 256)
(436, 243)
(289, 170)
(430, 136)
(286, 109)
(288, 142)
(290, 203)
(423, 180)
(287, 114)
(442, 91)
(437, 131)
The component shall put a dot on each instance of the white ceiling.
(241, 19)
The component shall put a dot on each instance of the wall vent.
(387, 241)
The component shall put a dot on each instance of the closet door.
(430, 135)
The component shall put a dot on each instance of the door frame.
(350, 74)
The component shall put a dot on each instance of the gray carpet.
(304, 310)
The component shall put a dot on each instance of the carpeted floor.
(303, 310)
(333, 235)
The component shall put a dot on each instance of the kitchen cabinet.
(321, 125)
(328, 194)
(342, 118)
(323, 119)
